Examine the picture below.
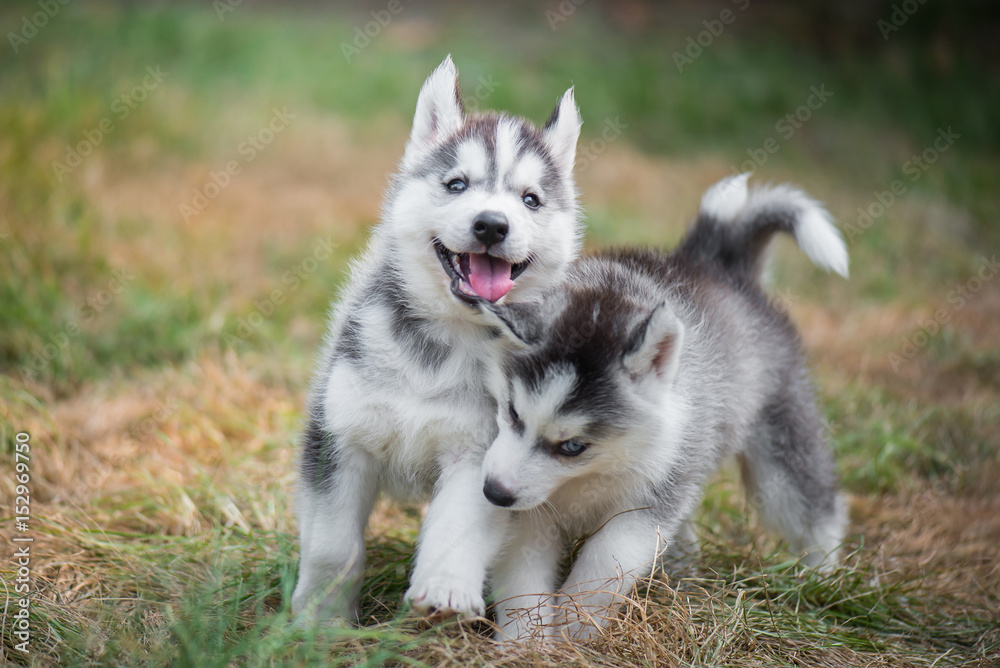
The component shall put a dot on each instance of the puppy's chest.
(410, 410)
(444, 403)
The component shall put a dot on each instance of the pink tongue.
(489, 276)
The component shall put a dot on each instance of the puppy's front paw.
(579, 622)
(441, 598)
(581, 631)
(524, 624)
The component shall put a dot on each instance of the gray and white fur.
(483, 208)
(618, 408)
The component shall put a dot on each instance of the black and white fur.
(620, 406)
(401, 400)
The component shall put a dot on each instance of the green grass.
(883, 110)
(222, 597)
(189, 558)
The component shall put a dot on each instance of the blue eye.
(572, 447)
(457, 186)
(531, 200)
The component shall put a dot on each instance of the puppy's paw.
(312, 606)
(326, 615)
(441, 598)
(309, 619)
(578, 622)
(581, 631)
(531, 620)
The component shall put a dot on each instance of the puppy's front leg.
(333, 514)
(458, 540)
(624, 550)
(524, 577)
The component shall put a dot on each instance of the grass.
(161, 377)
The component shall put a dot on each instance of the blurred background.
(183, 184)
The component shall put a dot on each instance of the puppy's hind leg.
(682, 554)
(789, 473)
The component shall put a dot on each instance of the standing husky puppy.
(483, 208)
(654, 368)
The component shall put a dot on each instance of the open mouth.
(476, 276)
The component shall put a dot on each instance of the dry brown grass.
(134, 464)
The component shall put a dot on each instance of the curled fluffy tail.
(735, 225)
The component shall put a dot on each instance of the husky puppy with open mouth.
(635, 379)
(483, 209)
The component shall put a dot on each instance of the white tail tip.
(726, 199)
(819, 238)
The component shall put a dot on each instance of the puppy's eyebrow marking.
(515, 418)
(542, 402)
(506, 147)
(473, 160)
(527, 173)
(564, 427)
(545, 445)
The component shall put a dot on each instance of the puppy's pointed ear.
(439, 111)
(521, 323)
(654, 348)
(562, 131)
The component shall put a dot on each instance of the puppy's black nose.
(497, 494)
(490, 227)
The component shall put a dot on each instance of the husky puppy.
(653, 368)
(482, 209)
